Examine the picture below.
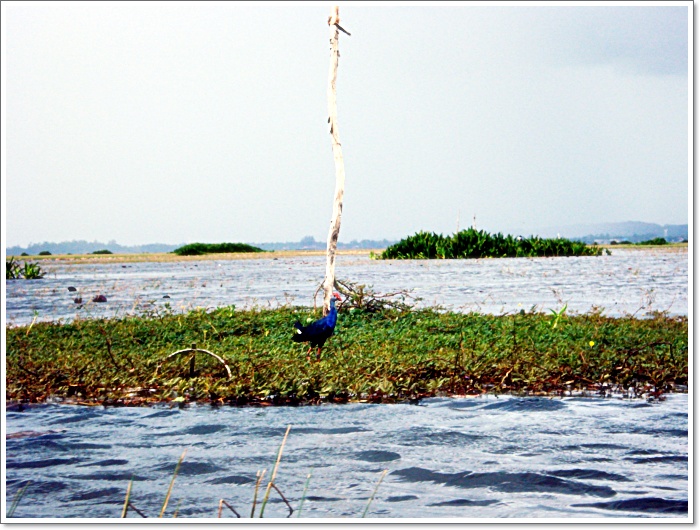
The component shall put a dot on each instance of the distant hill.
(87, 247)
(633, 231)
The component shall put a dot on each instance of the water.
(485, 457)
(629, 281)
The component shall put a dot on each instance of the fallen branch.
(364, 298)
(194, 350)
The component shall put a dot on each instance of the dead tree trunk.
(334, 25)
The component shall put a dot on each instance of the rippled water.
(483, 457)
(627, 282)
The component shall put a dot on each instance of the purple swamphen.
(317, 332)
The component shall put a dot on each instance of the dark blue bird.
(317, 333)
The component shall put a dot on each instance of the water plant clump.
(197, 249)
(28, 271)
(381, 356)
(472, 243)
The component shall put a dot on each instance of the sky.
(182, 122)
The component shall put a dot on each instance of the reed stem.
(374, 492)
(128, 496)
(255, 494)
(17, 498)
(303, 494)
(172, 482)
(274, 472)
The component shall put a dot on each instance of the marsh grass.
(222, 502)
(374, 492)
(384, 356)
(172, 483)
(17, 499)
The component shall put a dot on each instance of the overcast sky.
(182, 122)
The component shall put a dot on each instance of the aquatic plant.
(28, 271)
(17, 499)
(474, 243)
(197, 249)
(222, 502)
(172, 483)
(382, 356)
(12, 269)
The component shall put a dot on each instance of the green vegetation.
(473, 243)
(28, 271)
(380, 356)
(44, 253)
(197, 249)
(654, 241)
(105, 251)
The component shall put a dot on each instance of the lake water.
(627, 282)
(483, 458)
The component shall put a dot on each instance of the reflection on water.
(627, 282)
(483, 457)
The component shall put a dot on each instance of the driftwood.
(364, 298)
(334, 25)
(194, 351)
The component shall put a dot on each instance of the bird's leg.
(318, 354)
(308, 357)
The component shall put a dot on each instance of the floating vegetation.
(474, 243)
(197, 249)
(375, 356)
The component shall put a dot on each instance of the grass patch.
(474, 243)
(197, 249)
(384, 356)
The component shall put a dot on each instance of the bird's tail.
(298, 332)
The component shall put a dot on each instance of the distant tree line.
(96, 247)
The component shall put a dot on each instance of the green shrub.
(105, 251)
(474, 243)
(197, 249)
(44, 253)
